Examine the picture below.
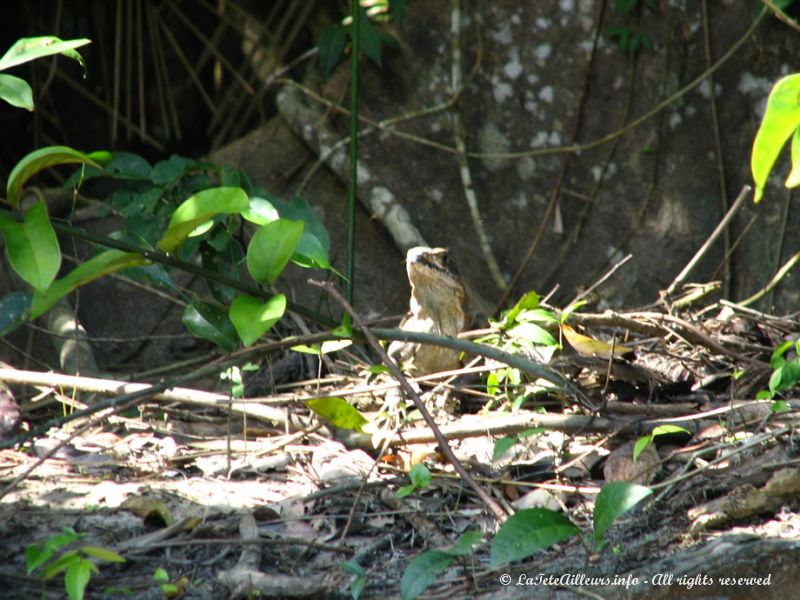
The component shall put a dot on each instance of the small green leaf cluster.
(420, 478)
(629, 39)
(334, 38)
(644, 442)
(781, 121)
(523, 534)
(15, 90)
(184, 208)
(423, 570)
(505, 443)
(785, 362)
(77, 564)
(519, 331)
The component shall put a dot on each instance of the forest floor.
(205, 497)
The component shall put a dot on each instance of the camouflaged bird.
(437, 306)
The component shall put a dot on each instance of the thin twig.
(459, 135)
(444, 446)
(723, 224)
(787, 266)
(723, 187)
(601, 281)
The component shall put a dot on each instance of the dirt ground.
(263, 499)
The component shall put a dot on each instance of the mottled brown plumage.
(437, 306)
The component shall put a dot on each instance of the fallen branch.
(444, 446)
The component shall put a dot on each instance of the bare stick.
(459, 135)
(491, 504)
(723, 224)
(601, 281)
(776, 279)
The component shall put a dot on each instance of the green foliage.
(528, 531)
(77, 564)
(271, 249)
(191, 217)
(15, 90)
(31, 247)
(104, 263)
(253, 318)
(208, 321)
(185, 207)
(503, 444)
(614, 500)
(629, 39)
(334, 38)
(338, 412)
(780, 122)
(324, 348)
(38, 160)
(785, 362)
(169, 588)
(423, 570)
(518, 331)
(646, 441)
(420, 478)
(534, 529)
(357, 585)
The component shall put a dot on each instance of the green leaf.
(338, 412)
(36, 556)
(641, 445)
(780, 406)
(528, 531)
(261, 211)
(207, 321)
(160, 575)
(32, 247)
(77, 578)
(59, 540)
(777, 359)
(63, 562)
(465, 543)
(532, 333)
(503, 445)
(668, 429)
(28, 49)
(104, 263)
(420, 476)
(39, 160)
(571, 309)
(298, 209)
(793, 180)
(198, 209)
(781, 120)
(615, 499)
(422, 572)
(785, 377)
(16, 91)
(325, 348)
(169, 172)
(357, 586)
(310, 252)
(252, 318)
(331, 47)
(529, 301)
(13, 307)
(101, 553)
(271, 248)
